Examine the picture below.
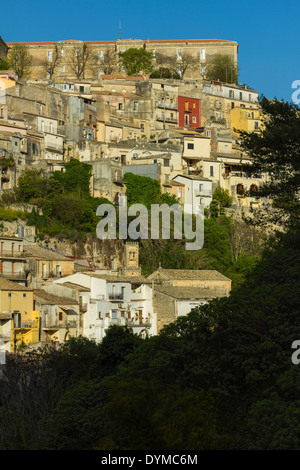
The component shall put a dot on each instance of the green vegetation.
(10, 214)
(68, 210)
(219, 378)
(4, 65)
(276, 151)
(136, 61)
(222, 68)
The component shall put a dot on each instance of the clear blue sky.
(268, 32)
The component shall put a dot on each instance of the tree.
(221, 198)
(81, 57)
(136, 61)
(178, 67)
(4, 65)
(109, 61)
(275, 150)
(20, 60)
(222, 68)
(51, 65)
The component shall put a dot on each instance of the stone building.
(3, 49)
(177, 291)
(60, 59)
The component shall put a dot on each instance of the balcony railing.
(16, 276)
(60, 324)
(203, 193)
(116, 297)
(163, 104)
(12, 254)
(163, 118)
(28, 325)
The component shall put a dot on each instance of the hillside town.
(78, 101)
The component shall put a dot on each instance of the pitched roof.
(44, 253)
(78, 287)
(190, 293)
(11, 286)
(189, 274)
(46, 298)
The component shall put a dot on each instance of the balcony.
(116, 297)
(203, 193)
(60, 325)
(163, 104)
(134, 322)
(161, 117)
(12, 254)
(28, 325)
(14, 276)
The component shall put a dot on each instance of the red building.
(189, 112)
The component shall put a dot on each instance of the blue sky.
(268, 32)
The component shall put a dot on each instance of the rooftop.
(44, 297)
(189, 293)
(199, 274)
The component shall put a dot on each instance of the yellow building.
(245, 119)
(19, 323)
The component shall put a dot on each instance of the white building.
(198, 191)
(114, 300)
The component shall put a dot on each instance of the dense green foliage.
(136, 61)
(66, 208)
(276, 151)
(4, 65)
(219, 378)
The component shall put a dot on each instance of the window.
(49, 56)
(202, 54)
(81, 89)
(250, 98)
(231, 94)
(179, 54)
(186, 119)
(194, 120)
(166, 162)
(153, 53)
(120, 106)
(226, 148)
(256, 125)
(190, 146)
(42, 126)
(241, 95)
(60, 316)
(167, 179)
(135, 105)
(63, 69)
(100, 71)
(76, 52)
(208, 133)
(24, 295)
(211, 170)
(63, 53)
(203, 70)
(101, 55)
(51, 127)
